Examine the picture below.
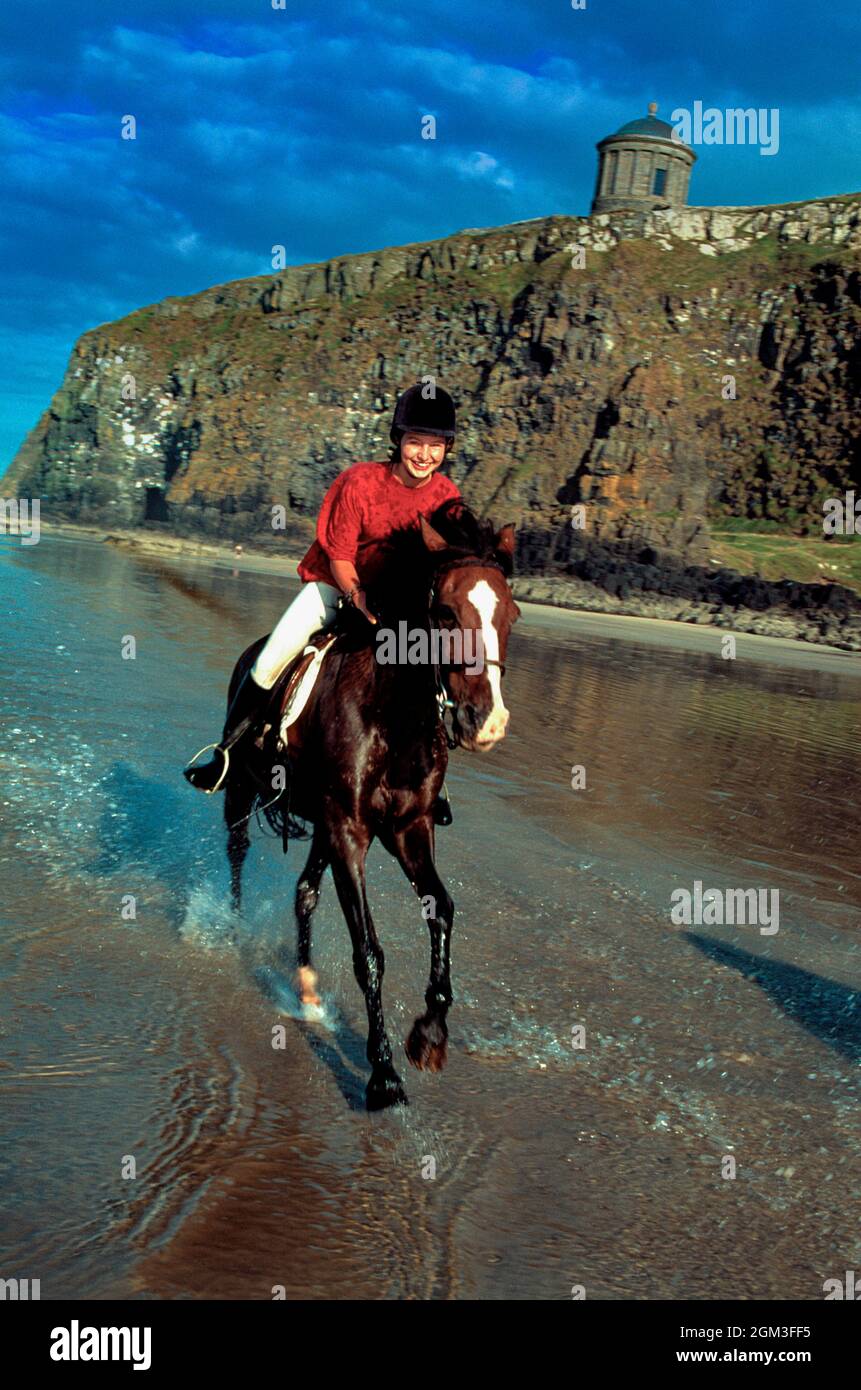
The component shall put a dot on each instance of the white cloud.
(480, 165)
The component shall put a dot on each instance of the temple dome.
(642, 166)
(647, 125)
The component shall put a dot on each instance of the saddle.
(292, 690)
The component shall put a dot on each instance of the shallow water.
(151, 1038)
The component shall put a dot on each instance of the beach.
(604, 1063)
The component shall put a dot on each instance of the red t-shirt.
(362, 508)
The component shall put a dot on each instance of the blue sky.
(302, 126)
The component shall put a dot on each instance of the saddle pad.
(297, 701)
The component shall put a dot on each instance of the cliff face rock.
(657, 368)
(719, 231)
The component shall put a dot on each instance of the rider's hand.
(360, 602)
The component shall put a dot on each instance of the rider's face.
(421, 454)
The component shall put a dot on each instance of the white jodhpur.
(314, 607)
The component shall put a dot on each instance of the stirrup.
(225, 753)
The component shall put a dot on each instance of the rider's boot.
(244, 709)
(442, 808)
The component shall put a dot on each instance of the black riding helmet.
(431, 415)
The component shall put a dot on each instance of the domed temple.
(642, 166)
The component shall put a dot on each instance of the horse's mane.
(409, 566)
(466, 532)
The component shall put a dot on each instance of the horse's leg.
(426, 1044)
(349, 846)
(238, 800)
(307, 897)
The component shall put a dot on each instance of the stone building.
(642, 166)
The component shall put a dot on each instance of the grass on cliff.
(766, 263)
(802, 558)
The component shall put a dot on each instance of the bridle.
(444, 700)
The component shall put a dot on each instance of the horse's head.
(472, 608)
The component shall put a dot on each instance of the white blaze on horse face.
(484, 601)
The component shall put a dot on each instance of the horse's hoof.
(385, 1089)
(306, 987)
(427, 1045)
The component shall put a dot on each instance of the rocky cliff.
(660, 368)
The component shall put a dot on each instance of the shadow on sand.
(829, 1011)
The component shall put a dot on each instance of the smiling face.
(421, 456)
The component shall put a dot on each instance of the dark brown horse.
(368, 755)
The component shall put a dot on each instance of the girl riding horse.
(364, 506)
(370, 758)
